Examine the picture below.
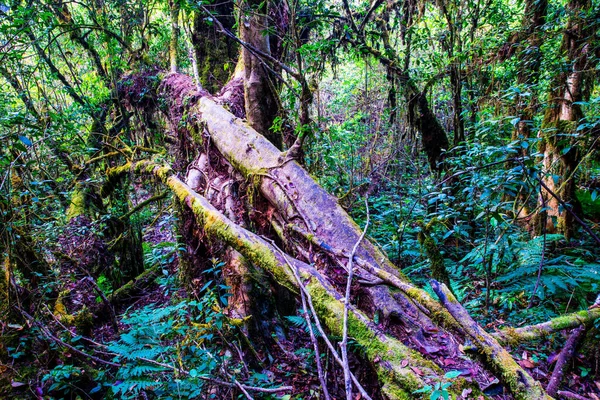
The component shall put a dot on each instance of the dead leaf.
(449, 361)
(17, 384)
(526, 363)
(417, 371)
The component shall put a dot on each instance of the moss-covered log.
(514, 336)
(392, 359)
(317, 231)
(521, 384)
(142, 281)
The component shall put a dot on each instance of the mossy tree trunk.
(174, 8)
(561, 138)
(215, 52)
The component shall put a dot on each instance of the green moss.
(385, 353)
(77, 205)
(83, 321)
(60, 311)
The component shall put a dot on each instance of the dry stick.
(571, 395)
(564, 357)
(332, 349)
(218, 381)
(239, 385)
(315, 344)
(58, 341)
(344, 344)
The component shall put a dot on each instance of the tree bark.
(216, 53)
(174, 8)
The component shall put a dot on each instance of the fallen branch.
(515, 336)
(143, 204)
(519, 382)
(564, 357)
(571, 395)
(344, 344)
(141, 281)
(306, 296)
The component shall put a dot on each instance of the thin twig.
(344, 344)
(332, 349)
(58, 341)
(218, 381)
(315, 344)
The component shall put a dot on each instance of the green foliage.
(439, 389)
(64, 379)
(299, 322)
(563, 275)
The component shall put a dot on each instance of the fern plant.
(562, 275)
(566, 274)
(300, 323)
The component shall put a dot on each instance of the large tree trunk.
(560, 137)
(261, 99)
(216, 53)
(304, 240)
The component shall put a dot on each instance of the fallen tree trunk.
(414, 334)
(393, 360)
